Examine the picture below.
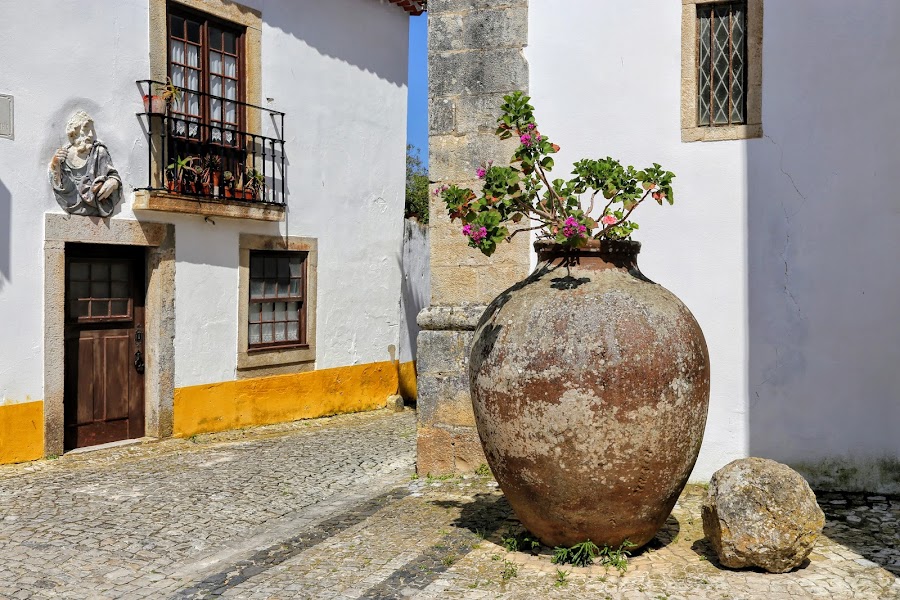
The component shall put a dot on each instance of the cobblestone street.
(331, 509)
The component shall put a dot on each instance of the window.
(205, 58)
(721, 70)
(276, 315)
(721, 76)
(276, 304)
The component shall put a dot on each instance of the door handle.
(138, 362)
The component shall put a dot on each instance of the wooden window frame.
(275, 360)
(240, 32)
(301, 298)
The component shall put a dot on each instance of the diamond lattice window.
(722, 73)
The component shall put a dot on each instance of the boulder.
(761, 513)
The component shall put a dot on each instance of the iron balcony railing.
(211, 147)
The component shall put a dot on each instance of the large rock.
(761, 513)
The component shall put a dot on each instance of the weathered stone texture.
(475, 58)
(486, 28)
(478, 72)
(761, 513)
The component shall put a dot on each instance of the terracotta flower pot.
(154, 105)
(590, 385)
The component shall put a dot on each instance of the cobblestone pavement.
(328, 509)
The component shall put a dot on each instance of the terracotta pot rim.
(592, 247)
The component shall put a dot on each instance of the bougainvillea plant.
(523, 191)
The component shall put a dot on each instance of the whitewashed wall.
(337, 68)
(416, 286)
(785, 247)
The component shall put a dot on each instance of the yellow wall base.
(280, 398)
(21, 432)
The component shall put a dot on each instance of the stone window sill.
(209, 207)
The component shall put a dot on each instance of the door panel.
(104, 393)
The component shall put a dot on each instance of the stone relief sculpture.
(81, 172)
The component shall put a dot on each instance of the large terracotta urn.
(590, 385)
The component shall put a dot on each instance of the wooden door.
(104, 339)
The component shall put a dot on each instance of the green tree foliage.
(416, 186)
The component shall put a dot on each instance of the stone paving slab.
(330, 509)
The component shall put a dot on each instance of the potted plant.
(228, 184)
(211, 174)
(181, 174)
(589, 382)
(166, 95)
(255, 183)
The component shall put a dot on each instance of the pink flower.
(525, 139)
(473, 234)
(529, 126)
(572, 228)
(480, 171)
(609, 220)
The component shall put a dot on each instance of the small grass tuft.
(510, 570)
(584, 554)
(483, 470)
(562, 578)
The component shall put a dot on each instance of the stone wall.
(475, 57)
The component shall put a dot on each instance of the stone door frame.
(159, 381)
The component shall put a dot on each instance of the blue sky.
(417, 116)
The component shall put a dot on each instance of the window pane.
(720, 75)
(119, 289)
(231, 112)
(215, 38)
(99, 308)
(703, 89)
(80, 271)
(79, 308)
(230, 89)
(737, 64)
(268, 311)
(279, 332)
(293, 331)
(100, 271)
(176, 51)
(79, 289)
(119, 308)
(177, 75)
(215, 62)
(267, 333)
(254, 313)
(295, 287)
(215, 85)
(271, 288)
(284, 269)
(296, 266)
(293, 311)
(192, 55)
(256, 266)
(230, 43)
(100, 289)
(256, 288)
(271, 267)
(230, 67)
(177, 26)
(119, 272)
(254, 334)
(280, 311)
(193, 31)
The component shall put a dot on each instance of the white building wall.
(338, 69)
(784, 247)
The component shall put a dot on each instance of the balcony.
(207, 155)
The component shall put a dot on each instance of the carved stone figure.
(82, 174)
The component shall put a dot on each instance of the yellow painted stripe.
(21, 432)
(408, 387)
(280, 398)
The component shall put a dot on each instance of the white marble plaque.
(6, 116)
